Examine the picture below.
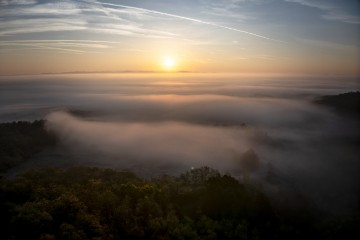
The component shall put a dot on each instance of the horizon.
(184, 72)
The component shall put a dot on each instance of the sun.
(168, 63)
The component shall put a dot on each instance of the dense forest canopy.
(92, 203)
(19, 141)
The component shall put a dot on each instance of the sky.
(319, 37)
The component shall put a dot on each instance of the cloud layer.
(171, 144)
(156, 124)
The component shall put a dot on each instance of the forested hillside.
(19, 141)
(345, 103)
(91, 203)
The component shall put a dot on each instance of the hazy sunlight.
(168, 63)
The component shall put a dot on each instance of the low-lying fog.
(168, 124)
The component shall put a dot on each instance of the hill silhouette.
(19, 141)
(345, 103)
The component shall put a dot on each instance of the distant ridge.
(124, 71)
(346, 102)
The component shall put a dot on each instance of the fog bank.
(166, 143)
(163, 124)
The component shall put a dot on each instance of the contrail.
(186, 18)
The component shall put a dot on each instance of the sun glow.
(168, 63)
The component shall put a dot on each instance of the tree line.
(93, 203)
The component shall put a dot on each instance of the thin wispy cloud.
(92, 16)
(11, 27)
(332, 11)
(338, 15)
(226, 13)
(187, 19)
(38, 48)
(74, 46)
(62, 49)
(17, 2)
(79, 17)
(227, 9)
(84, 44)
(46, 9)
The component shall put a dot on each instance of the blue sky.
(245, 36)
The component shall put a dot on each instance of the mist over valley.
(167, 125)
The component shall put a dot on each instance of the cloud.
(76, 46)
(228, 9)
(168, 134)
(17, 2)
(74, 16)
(339, 15)
(11, 27)
(203, 109)
(315, 4)
(187, 19)
(127, 29)
(332, 12)
(90, 19)
(161, 144)
(153, 125)
(46, 9)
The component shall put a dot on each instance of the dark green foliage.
(91, 203)
(21, 140)
(345, 103)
